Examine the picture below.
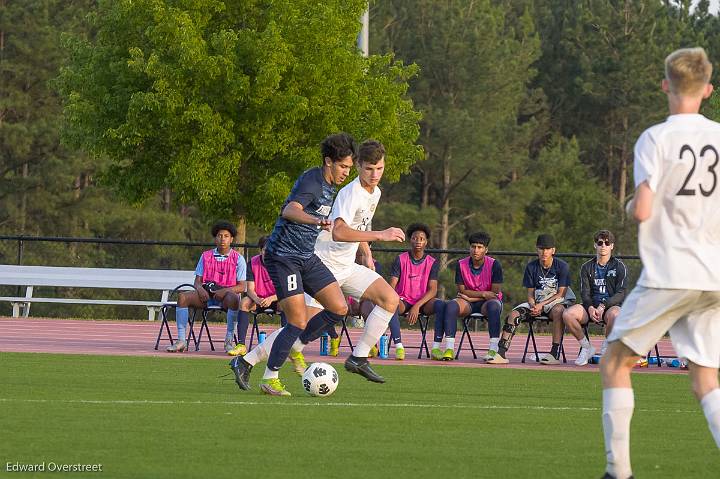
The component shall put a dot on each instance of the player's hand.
(465, 297)
(324, 224)
(220, 294)
(202, 294)
(412, 315)
(392, 234)
(265, 302)
(536, 310)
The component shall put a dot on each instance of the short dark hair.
(605, 235)
(223, 225)
(479, 237)
(262, 241)
(371, 151)
(418, 227)
(338, 146)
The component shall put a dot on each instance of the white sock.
(375, 325)
(261, 352)
(270, 374)
(450, 343)
(618, 406)
(584, 343)
(436, 344)
(494, 344)
(711, 407)
(399, 346)
(298, 346)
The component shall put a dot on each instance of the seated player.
(478, 278)
(260, 294)
(547, 280)
(603, 284)
(414, 276)
(219, 280)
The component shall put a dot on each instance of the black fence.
(183, 255)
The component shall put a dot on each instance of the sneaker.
(362, 367)
(334, 346)
(495, 358)
(603, 348)
(436, 354)
(548, 358)
(373, 352)
(178, 347)
(273, 387)
(242, 369)
(399, 354)
(584, 355)
(298, 361)
(229, 345)
(239, 350)
(448, 355)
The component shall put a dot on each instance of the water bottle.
(261, 336)
(652, 360)
(595, 359)
(324, 344)
(383, 349)
(675, 363)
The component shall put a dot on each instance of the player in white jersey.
(351, 217)
(677, 204)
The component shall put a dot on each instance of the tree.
(225, 103)
(476, 62)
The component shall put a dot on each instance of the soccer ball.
(320, 379)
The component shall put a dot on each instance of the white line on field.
(291, 403)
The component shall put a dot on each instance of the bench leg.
(16, 310)
(152, 311)
(164, 323)
(423, 320)
(345, 331)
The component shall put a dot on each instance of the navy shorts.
(293, 275)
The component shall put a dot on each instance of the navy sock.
(281, 347)
(555, 350)
(439, 309)
(452, 311)
(494, 308)
(395, 328)
(242, 326)
(318, 324)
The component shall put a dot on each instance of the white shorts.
(353, 281)
(691, 316)
(547, 307)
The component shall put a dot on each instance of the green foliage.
(224, 101)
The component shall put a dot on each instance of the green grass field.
(145, 417)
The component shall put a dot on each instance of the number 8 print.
(292, 282)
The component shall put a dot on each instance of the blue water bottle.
(261, 336)
(324, 344)
(383, 347)
(672, 362)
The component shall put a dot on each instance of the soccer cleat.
(399, 354)
(334, 346)
(239, 350)
(490, 354)
(298, 361)
(229, 345)
(178, 347)
(548, 358)
(362, 367)
(273, 387)
(373, 352)
(493, 357)
(436, 354)
(448, 355)
(242, 369)
(584, 356)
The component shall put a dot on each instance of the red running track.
(136, 338)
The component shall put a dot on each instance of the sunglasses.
(603, 243)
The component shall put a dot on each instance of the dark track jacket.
(616, 283)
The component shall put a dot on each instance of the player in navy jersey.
(547, 280)
(603, 284)
(291, 262)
